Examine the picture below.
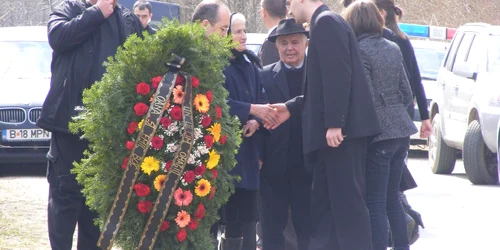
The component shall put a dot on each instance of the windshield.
(254, 48)
(429, 61)
(25, 60)
(494, 54)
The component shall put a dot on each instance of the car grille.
(12, 115)
(34, 114)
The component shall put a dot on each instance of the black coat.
(72, 29)
(279, 145)
(244, 84)
(268, 52)
(336, 93)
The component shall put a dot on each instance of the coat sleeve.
(368, 70)
(414, 77)
(295, 105)
(404, 87)
(333, 53)
(67, 30)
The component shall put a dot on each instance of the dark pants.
(66, 206)
(384, 168)
(339, 214)
(279, 195)
(240, 217)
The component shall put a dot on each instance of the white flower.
(192, 159)
(172, 148)
(202, 148)
(197, 133)
(184, 183)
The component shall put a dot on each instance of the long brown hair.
(364, 17)
(390, 19)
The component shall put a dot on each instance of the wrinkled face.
(292, 48)
(221, 26)
(296, 10)
(239, 32)
(143, 15)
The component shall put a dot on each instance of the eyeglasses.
(224, 29)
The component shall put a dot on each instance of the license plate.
(25, 135)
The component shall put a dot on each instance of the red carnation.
(156, 81)
(218, 112)
(223, 139)
(140, 109)
(132, 127)
(165, 225)
(209, 95)
(124, 164)
(200, 170)
(215, 173)
(209, 140)
(141, 190)
(142, 88)
(206, 121)
(192, 225)
(200, 212)
(144, 206)
(181, 235)
(157, 142)
(168, 165)
(189, 176)
(212, 193)
(195, 82)
(129, 145)
(165, 122)
(176, 113)
(179, 80)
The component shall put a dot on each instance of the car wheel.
(441, 156)
(479, 162)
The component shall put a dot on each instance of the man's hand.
(264, 112)
(283, 115)
(425, 129)
(334, 137)
(106, 7)
(250, 127)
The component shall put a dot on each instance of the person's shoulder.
(269, 68)
(71, 6)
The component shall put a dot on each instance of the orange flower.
(201, 103)
(183, 219)
(158, 183)
(178, 94)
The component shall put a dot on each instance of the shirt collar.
(298, 67)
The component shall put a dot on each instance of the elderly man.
(284, 180)
(143, 10)
(272, 11)
(82, 34)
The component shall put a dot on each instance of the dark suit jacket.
(336, 93)
(277, 146)
(268, 52)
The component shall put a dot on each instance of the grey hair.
(238, 17)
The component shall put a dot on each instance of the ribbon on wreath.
(148, 130)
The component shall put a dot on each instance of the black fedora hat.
(287, 27)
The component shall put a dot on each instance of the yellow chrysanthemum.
(202, 188)
(139, 126)
(201, 103)
(150, 164)
(159, 181)
(213, 159)
(215, 130)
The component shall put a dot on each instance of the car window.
(453, 50)
(463, 49)
(475, 54)
(494, 54)
(254, 48)
(24, 60)
(429, 60)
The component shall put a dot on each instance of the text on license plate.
(25, 134)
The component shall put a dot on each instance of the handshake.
(272, 115)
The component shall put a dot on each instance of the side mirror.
(467, 71)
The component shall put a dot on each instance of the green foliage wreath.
(110, 120)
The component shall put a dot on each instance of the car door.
(445, 84)
(463, 84)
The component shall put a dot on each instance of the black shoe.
(231, 244)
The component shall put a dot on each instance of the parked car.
(24, 84)
(429, 56)
(466, 111)
(254, 41)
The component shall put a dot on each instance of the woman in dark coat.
(392, 95)
(246, 101)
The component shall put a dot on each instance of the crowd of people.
(326, 115)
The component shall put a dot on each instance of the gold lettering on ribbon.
(159, 105)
